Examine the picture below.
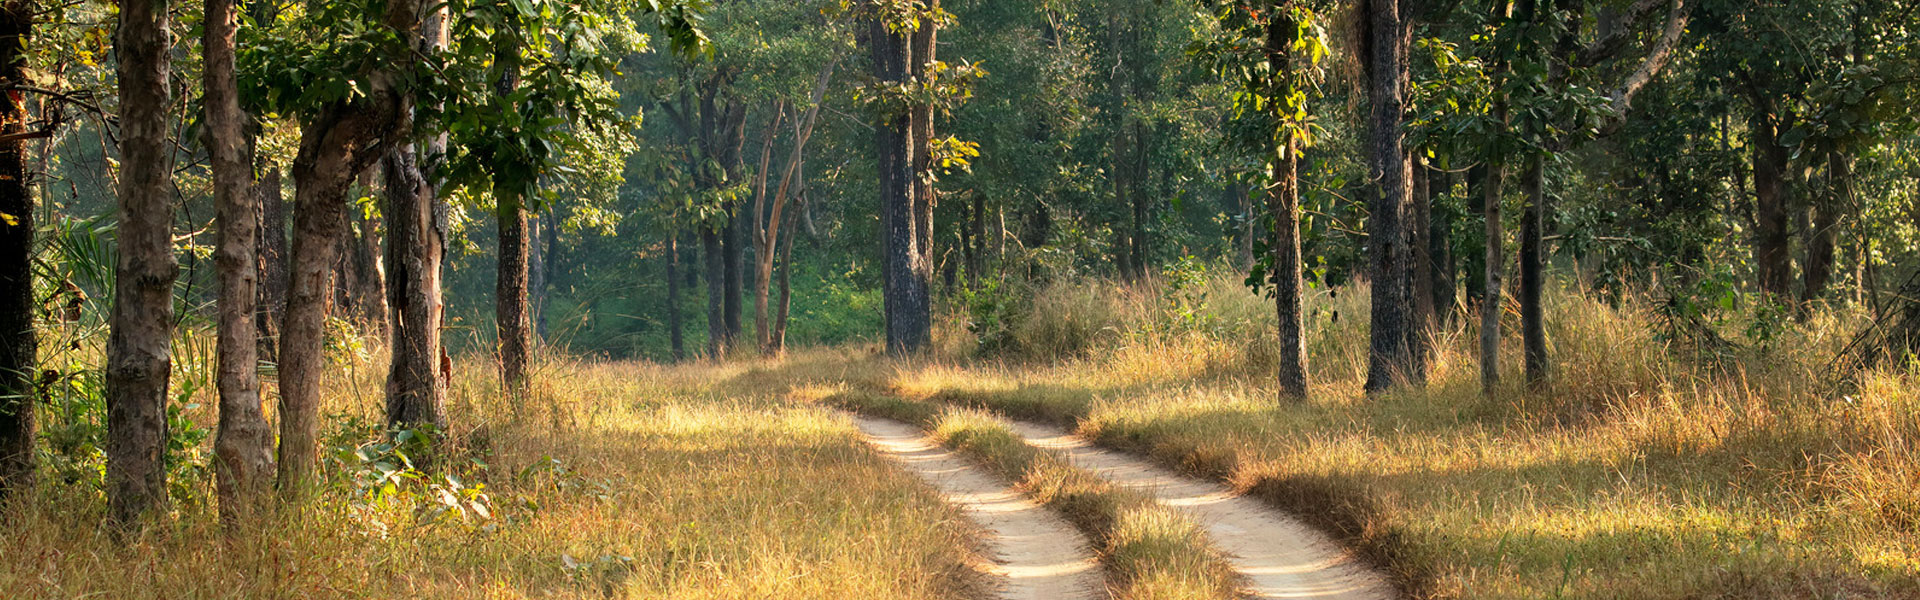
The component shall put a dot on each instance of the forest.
(960, 299)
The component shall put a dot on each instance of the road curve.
(1036, 555)
(1280, 556)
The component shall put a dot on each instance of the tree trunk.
(674, 327)
(139, 350)
(18, 343)
(908, 309)
(1390, 360)
(1826, 225)
(1283, 205)
(1533, 331)
(763, 257)
(1473, 271)
(1770, 242)
(515, 329)
(342, 140)
(271, 263)
(786, 295)
(733, 250)
(1419, 278)
(716, 289)
(1440, 265)
(920, 58)
(243, 450)
(370, 274)
(416, 242)
(1495, 262)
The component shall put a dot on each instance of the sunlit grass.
(1644, 470)
(615, 480)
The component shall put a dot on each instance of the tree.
(18, 342)
(354, 109)
(768, 221)
(416, 247)
(1391, 360)
(139, 352)
(244, 448)
(905, 274)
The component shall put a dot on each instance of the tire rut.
(1280, 556)
(1036, 555)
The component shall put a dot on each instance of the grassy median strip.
(1150, 551)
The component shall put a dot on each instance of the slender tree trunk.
(1390, 360)
(1495, 262)
(716, 289)
(370, 274)
(674, 326)
(510, 298)
(1826, 225)
(1473, 270)
(1283, 205)
(18, 343)
(908, 308)
(418, 374)
(139, 350)
(733, 250)
(1137, 238)
(1440, 265)
(271, 263)
(243, 450)
(1770, 241)
(763, 257)
(786, 295)
(539, 282)
(1533, 273)
(1418, 227)
(416, 242)
(920, 58)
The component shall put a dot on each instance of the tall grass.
(1646, 468)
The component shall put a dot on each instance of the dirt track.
(1036, 555)
(1281, 557)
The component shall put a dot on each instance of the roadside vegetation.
(619, 480)
(1650, 467)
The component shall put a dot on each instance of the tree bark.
(763, 258)
(923, 51)
(1533, 331)
(243, 448)
(908, 308)
(139, 350)
(1770, 242)
(1283, 205)
(344, 139)
(369, 273)
(416, 243)
(19, 344)
(674, 326)
(1495, 262)
(515, 328)
(716, 288)
(1419, 277)
(272, 262)
(1826, 225)
(1390, 359)
(1440, 265)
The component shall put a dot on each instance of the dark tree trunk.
(1473, 271)
(920, 58)
(786, 295)
(1419, 277)
(342, 140)
(272, 262)
(369, 273)
(733, 247)
(716, 289)
(1390, 360)
(243, 450)
(18, 343)
(1770, 242)
(908, 308)
(1283, 205)
(1826, 225)
(674, 326)
(1533, 330)
(1440, 261)
(1142, 203)
(139, 350)
(510, 297)
(416, 242)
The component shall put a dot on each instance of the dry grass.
(622, 481)
(1640, 472)
(1150, 551)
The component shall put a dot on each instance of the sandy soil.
(1280, 556)
(1037, 556)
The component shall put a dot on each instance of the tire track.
(1036, 555)
(1280, 556)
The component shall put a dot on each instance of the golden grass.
(1151, 552)
(1636, 473)
(620, 481)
